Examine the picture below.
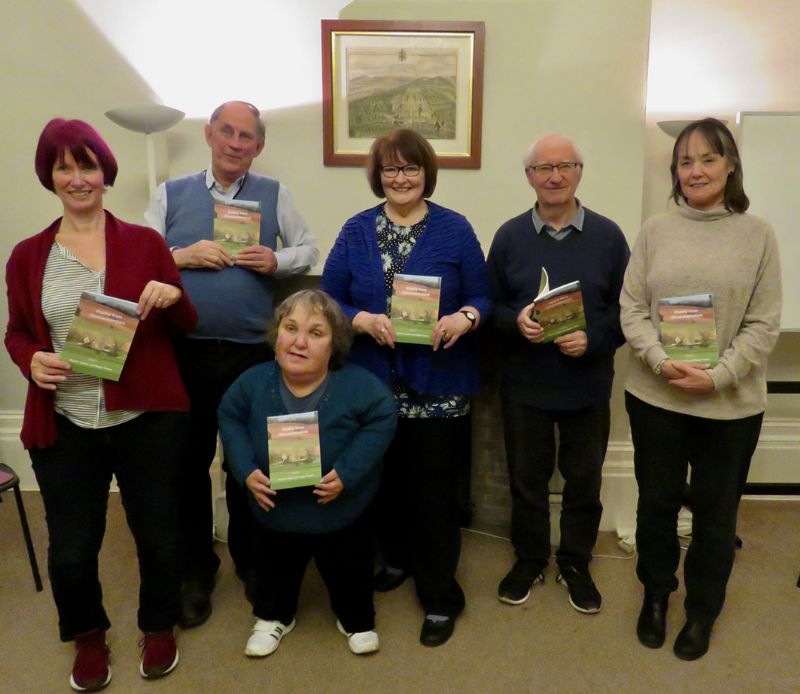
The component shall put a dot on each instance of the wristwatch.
(471, 317)
(658, 367)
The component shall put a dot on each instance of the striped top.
(80, 398)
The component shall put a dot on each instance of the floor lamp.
(147, 119)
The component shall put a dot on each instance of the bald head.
(538, 152)
(554, 167)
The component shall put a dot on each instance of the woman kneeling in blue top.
(326, 521)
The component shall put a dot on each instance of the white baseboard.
(778, 447)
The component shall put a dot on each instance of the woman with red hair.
(80, 429)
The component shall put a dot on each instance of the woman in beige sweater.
(707, 415)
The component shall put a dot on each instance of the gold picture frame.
(382, 75)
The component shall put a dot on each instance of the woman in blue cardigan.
(417, 507)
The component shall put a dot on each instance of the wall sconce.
(147, 119)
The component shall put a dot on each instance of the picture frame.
(378, 75)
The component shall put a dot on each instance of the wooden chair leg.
(23, 517)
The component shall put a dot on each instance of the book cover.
(688, 328)
(293, 450)
(559, 311)
(100, 335)
(237, 225)
(415, 307)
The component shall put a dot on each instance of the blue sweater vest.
(233, 303)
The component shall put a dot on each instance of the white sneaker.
(360, 642)
(266, 637)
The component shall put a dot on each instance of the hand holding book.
(451, 327)
(328, 488)
(258, 259)
(202, 255)
(157, 295)
(377, 325)
(48, 370)
(259, 485)
(691, 378)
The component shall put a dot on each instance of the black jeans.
(74, 475)
(665, 444)
(417, 508)
(345, 560)
(531, 455)
(208, 368)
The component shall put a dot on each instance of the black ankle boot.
(652, 625)
(692, 641)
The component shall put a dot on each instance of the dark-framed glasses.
(564, 167)
(409, 170)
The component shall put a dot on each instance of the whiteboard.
(769, 144)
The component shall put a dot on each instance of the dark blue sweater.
(357, 419)
(539, 375)
(448, 248)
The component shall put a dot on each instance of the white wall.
(576, 66)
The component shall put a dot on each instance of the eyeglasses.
(564, 167)
(409, 170)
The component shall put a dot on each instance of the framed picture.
(382, 75)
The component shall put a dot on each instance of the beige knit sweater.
(732, 256)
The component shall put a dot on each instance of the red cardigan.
(150, 380)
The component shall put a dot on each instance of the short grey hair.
(528, 158)
(319, 302)
(261, 129)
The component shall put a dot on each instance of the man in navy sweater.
(563, 385)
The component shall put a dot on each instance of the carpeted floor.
(542, 646)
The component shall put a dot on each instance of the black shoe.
(652, 625)
(196, 601)
(515, 588)
(583, 594)
(385, 581)
(435, 633)
(692, 642)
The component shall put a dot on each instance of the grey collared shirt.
(575, 223)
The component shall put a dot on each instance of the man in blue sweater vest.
(233, 297)
(562, 385)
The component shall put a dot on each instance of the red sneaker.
(159, 654)
(91, 671)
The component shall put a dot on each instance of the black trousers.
(208, 368)
(531, 455)
(665, 444)
(345, 560)
(74, 475)
(417, 509)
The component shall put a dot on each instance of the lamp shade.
(673, 128)
(145, 118)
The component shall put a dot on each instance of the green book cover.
(294, 451)
(100, 335)
(415, 307)
(559, 311)
(688, 328)
(237, 225)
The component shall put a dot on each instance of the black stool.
(9, 480)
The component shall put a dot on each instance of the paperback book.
(100, 335)
(293, 450)
(237, 225)
(559, 311)
(688, 328)
(415, 307)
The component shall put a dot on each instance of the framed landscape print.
(382, 75)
